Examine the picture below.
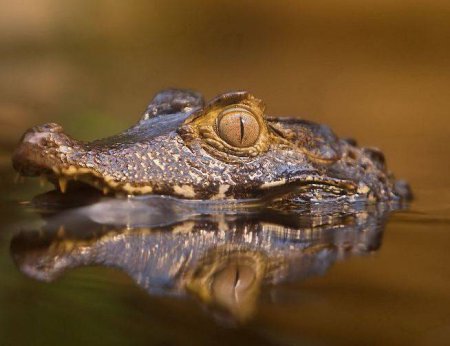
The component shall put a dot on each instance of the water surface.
(347, 279)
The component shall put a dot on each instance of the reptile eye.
(238, 128)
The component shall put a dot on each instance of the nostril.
(41, 134)
(35, 137)
(49, 127)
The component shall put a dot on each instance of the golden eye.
(238, 128)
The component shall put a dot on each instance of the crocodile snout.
(40, 149)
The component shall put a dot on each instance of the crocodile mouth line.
(309, 182)
(66, 178)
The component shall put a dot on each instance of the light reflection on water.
(222, 256)
(254, 277)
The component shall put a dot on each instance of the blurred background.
(375, 70)
(378, 71)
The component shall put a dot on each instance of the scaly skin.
(178, 149)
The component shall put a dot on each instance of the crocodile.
(226, 149)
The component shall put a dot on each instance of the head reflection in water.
(220, 255)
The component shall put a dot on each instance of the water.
(224, 278)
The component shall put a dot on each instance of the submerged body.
(226, 149)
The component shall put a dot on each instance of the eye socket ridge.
(238, 127)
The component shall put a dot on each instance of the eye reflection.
(233, 282)
(239, 128)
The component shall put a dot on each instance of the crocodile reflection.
(220, 256)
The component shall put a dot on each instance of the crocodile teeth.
(62, 184)
(61, 232)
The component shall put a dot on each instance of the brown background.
(375, 70)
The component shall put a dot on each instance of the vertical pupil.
(238, 128)
(236, 277)
(242, 128)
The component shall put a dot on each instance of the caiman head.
(226, 149)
